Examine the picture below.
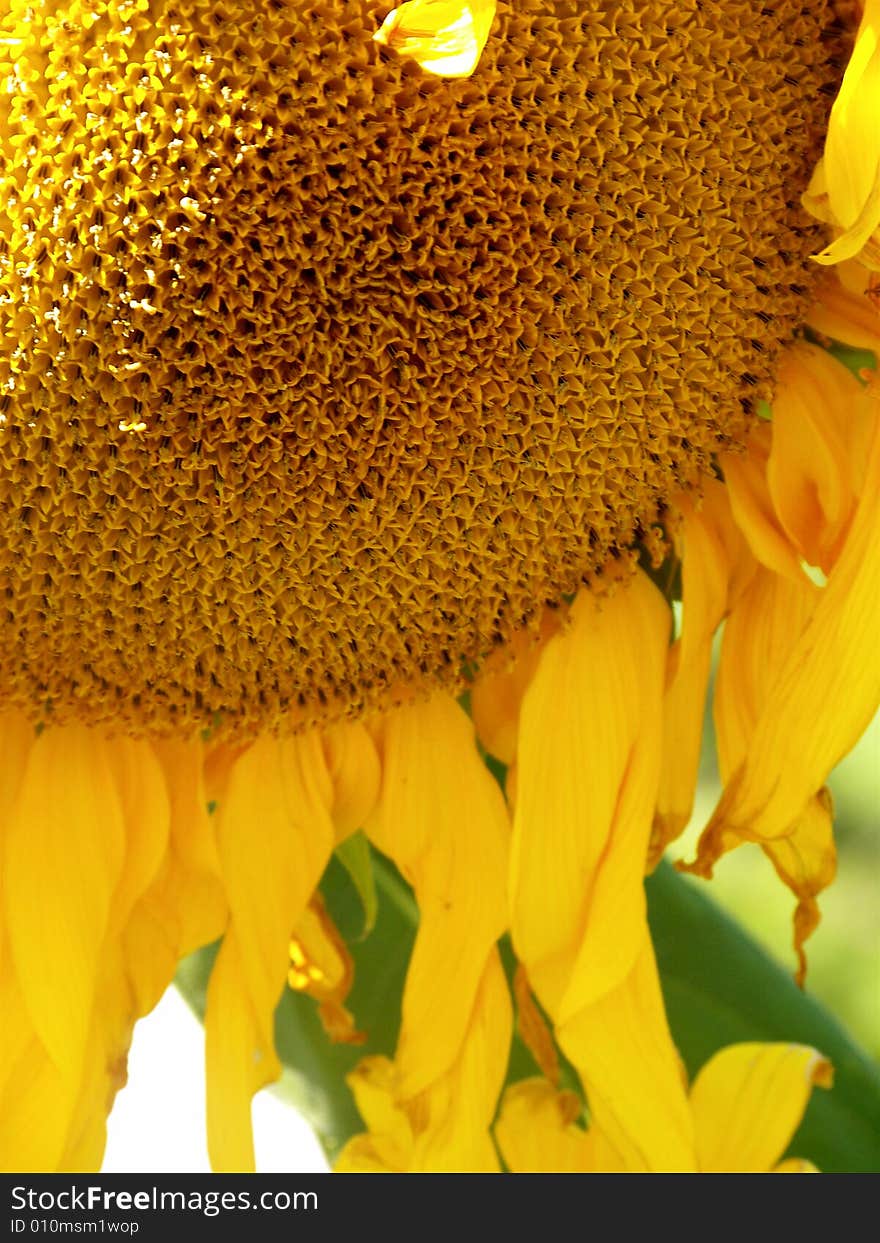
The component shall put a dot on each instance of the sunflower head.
(321, 373)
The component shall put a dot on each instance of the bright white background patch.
(158, 1122)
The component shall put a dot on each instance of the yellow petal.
(715, 560)
(446, 1127)
(769, 615)
(746, 478)
(147, 815)
(623, 1052)
(274, 837)
(747, 1102)
(827, 690)
(496, 696)
(36, 1100)
(445, 37)
(64, 856)
(536, 1134)
(442, 819)
(796, 1165)
(353, 766)
(239, 1060)
(588, 770)
(191, 886)
(457, 1110)
(843, 313)
(812, 474)
(852, 147)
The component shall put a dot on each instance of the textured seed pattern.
(319, 374)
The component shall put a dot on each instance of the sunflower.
(360, 386)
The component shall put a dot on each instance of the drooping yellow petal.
(746, 477)
(239, 1060)
(442, 819)
(747, 1102)
(387, 1144)
(63, 858)
(715, 563)
(842, 312)
(445, 37)
(274, 837)
(36, 1100)
(623, 1052)
(445, 1128)
(850, 174)
(588, 770)
(146, 813)
(537, 1135)
(457, 1110)
(192, 887)
(827, 690)
(497, 693)
(771, 613)
(353, 766)
(820, 412)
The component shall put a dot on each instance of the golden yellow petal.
(535, 1135)
(457, 1110)
(588, 770)
(353, 766)
(623, 1052)
(746, 478)
(63, 859)
(769, 615)
(239, 1060)
(146, 812)
(812, 470)
(274, 837)
(827, 689)
(747, 1102)
(191, 886)
(796, 1165)
(715, 561)
(497, 693)
(36, 1100)
(842, 312)
(442, 819)
(445, 37)
(852, 146)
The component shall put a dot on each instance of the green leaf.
(355, 856)
(720, 988)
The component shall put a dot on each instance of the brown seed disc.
(320, 374)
